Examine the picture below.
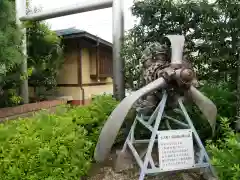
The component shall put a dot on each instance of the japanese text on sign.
(175, 149)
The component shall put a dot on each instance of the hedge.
(53, 146)
(60, 146)
(225, 153)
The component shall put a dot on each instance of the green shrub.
(44, 147)
(53, 146)
(223, 96)
(225, 153)
(93, 116)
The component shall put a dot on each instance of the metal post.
(21, 11)
(88, 5)
(118, 63)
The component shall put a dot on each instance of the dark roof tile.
(73, 32)
(68, 31)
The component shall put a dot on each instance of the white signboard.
(175, 149)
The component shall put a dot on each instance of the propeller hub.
(186, 75)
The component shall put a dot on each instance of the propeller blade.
(177, 45)
(206, 106)
(113, 124)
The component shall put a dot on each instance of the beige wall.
(69, 75)
(74, 92)
(86, 66)
(69, 71)
(90, 91)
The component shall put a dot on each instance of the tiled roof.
(68, 31)
(73, 33)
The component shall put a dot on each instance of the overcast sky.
(95, 22)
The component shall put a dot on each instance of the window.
(105, 64)
(101, 63)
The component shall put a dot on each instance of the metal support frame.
(88, 5)
(145, 161)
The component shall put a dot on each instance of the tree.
(45, 54)
(208, 27)
(10, 53)
(159, 18)
(211, 30)
(10, 37)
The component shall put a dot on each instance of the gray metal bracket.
(149, 165)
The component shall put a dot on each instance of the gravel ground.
(106, 171)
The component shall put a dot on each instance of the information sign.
(175, 149)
